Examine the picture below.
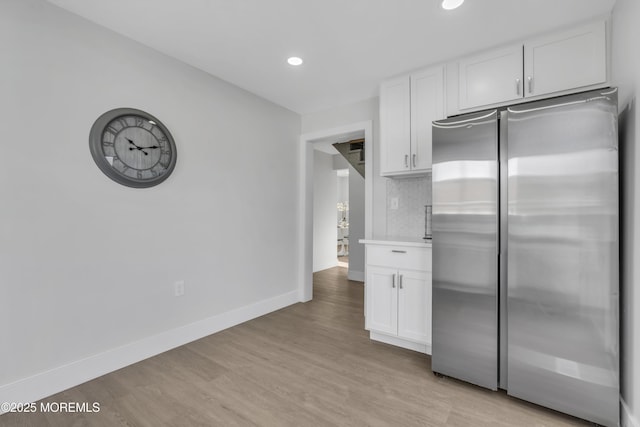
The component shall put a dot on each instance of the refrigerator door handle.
(503, 252)
(393, 280)
(577, 99)
(518, 87)
(475, 120)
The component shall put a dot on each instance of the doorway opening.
(338, 211)
(317, 148)
(342, 206)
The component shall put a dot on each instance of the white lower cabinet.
(382, 295)
(414, 305)
(398, 296)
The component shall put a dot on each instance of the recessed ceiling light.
(294, 60)
(451, 4)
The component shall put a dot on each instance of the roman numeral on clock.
(113, 131)
(123, 122)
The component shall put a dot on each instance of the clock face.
(132, 147)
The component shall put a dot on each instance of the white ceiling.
(348, 46)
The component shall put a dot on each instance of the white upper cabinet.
(572, 59)
(427, 105)
(563, 62)
(408, 105)
(395, 125)
(491, 77)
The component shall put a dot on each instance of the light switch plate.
(178, 288)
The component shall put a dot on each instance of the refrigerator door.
(563, 255)
(465, 248)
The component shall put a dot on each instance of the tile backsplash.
(407, 218)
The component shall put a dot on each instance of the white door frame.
(305, 189)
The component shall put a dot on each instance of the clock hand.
(135, 146)
(139, 148)
(144, 148)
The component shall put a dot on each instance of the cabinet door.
(382, 293)
(427, 105)
(491, 78)
(567, 60)
(414, 306)
(395, 126)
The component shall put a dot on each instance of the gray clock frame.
(95, 145)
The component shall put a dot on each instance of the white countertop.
(398, 241)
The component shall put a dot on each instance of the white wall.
(342, 189)
(339, 162)
(325, 196)
(356, 225)
(626, 75)
(87, 265)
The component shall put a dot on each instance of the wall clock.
(132, 147)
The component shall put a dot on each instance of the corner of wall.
(356, 276)
(626, 418)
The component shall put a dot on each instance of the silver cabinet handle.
(414, 160)
(530, 83)
(517, 86)
(400, 280)
(398, 252)
(406, 160)
(393, 281)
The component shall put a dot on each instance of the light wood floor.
(306, 365)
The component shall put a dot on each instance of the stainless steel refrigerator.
(525, 252)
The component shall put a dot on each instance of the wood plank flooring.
(309, 364)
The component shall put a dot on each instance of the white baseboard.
(626, 418)
(357, 276)
(53, 381)
(325, 266)
(399, 342)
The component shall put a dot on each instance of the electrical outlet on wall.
(178, 288)
(393, 203)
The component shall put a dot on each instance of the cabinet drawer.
(400, 257)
